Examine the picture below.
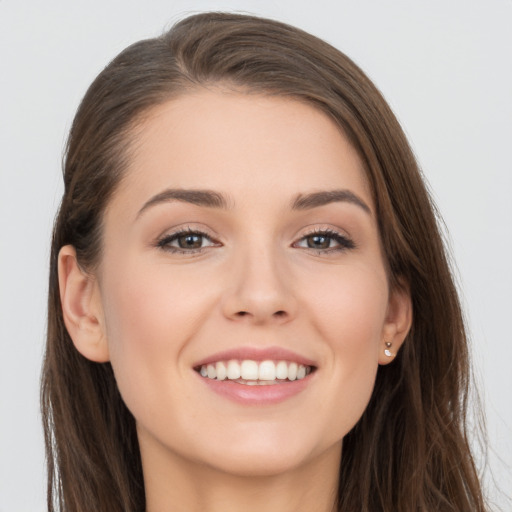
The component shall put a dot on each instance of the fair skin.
(263, 274)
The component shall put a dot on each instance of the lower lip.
(257, 395)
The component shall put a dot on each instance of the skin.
(256, 282)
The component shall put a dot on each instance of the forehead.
(248, 146)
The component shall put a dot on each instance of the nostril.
(280, 313)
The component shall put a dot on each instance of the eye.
(325, 241)
(186, 241)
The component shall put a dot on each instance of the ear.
(81, 307)
(397, 324)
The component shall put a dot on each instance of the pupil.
(318, 242)
(190, 241)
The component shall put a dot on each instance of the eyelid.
(163, 241)
(344, 241)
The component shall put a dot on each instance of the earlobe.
(398, 323)
(81, 307)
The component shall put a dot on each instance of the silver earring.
(386, 350)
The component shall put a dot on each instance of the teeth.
(249, 370)
(253, 373)
(267, 370)
(282, 370)
(292, 371)
(222, 371)
(211, 372)
(233, 370)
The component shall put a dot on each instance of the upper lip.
(256, 354)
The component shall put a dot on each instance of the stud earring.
(386, 350)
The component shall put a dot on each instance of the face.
(244, 295)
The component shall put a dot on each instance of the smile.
(252, 373)
(255, 376)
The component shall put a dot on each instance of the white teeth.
(253, 372)
(249, 370)
(222, 371)
(210, 369)
(282, 370)
(233, 370)
(292, 371)
(267, 370)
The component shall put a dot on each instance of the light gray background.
(445, 66)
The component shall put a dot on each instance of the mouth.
(255, 376)
(251, 372)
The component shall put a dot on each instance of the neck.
(175, 483)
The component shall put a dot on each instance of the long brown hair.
(409, 451)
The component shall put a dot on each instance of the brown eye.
(186, 241)
(190, 241)
(319, 241)
(325, 241)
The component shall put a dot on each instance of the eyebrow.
(316, 199)
(212, 199)
(207, 198)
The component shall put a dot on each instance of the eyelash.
(343, 242)
(164, 242)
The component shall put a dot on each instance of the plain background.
(445, 67)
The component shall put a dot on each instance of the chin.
(266, 453)
(247, 463)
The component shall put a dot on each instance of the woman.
(250, 304)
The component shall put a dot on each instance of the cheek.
(150, 308)
(350, 310)
(350, 316)
(149, 318)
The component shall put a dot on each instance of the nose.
(259, 289)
